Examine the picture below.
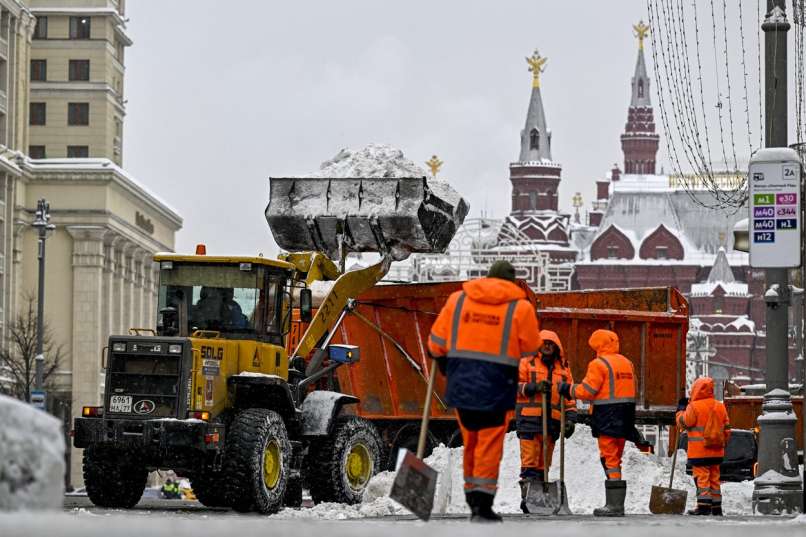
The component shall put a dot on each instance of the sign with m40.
(775, 223)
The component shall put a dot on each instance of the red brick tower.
(639, 141)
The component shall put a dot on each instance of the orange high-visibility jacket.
(533, 369)
(696, 416)
(610, 378)
(483, 331)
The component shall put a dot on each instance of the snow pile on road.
(31, 457)
(374, 160)
(583, 475)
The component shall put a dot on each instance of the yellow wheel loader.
(211, 392)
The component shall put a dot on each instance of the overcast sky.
(222, 95)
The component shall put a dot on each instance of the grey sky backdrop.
(223, 94)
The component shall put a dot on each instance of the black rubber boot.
(470, 498)
(524, 484)
(703, 509)
(716, 510)
(484, 509)
(615, 494)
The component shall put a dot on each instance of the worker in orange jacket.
(610, 386)
(706, 422)
(537, 375)
(478, 340)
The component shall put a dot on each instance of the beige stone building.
(61, 138)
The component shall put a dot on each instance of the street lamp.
(43, 226)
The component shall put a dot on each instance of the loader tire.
(340, 467)
(257, 461)
(113, 477)
(208, 486)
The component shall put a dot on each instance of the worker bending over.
(540, 376)
(610, 386)
(706, 422)
(478, 340)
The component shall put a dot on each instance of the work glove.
(682, 404)
(442, 364)
(564, 389)
(544, 386)
(569, 429)
(530, 389)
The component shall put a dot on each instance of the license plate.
(120, 403)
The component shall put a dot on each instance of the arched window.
(641, 89)
(534, 140)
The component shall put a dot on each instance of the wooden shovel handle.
(674, 455)
(545, 438)
(432, 377)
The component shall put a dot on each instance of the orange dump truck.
(391, 323)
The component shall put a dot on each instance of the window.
(534, 140)
(661, 252)
(612, 252)
(533, 200)
(41, 29)
(641, 89)
(36, 151)
(79, 70)
(79, 27)
(38, 111)
(78, 151)
(78, 113)
(39, 70)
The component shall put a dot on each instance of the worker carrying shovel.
(537, 375)
(478, 340)
(706, 422)
(610, 386)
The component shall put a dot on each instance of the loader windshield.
(238, 299)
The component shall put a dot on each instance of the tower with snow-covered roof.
(535, 179)
(639, 141)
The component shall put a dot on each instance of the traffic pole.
(777, 484)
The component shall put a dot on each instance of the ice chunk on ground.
(31, 458)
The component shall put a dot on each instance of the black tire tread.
(242, 461)
(325, 460)
(113, 477)
(209, 487)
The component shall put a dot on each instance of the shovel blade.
(543, 498)
(666, 501)
(564, 509)
(414, 486)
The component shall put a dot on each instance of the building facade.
(61, 138)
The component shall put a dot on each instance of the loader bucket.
(396, 216)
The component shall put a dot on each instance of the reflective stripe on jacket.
(483, 331)
(696, 416)
(534, 370)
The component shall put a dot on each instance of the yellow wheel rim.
(359, 466)
(272, 464)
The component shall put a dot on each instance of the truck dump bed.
(391, 324)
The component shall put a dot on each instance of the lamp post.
(42, 224)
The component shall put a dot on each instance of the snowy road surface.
(201, 523)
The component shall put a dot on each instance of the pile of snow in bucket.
(31, 457)
(374, 160)
(583, 475)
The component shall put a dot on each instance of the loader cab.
(231, 297)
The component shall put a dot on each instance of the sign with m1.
(775, 183)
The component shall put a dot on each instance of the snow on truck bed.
(31, 458)
(583, 475)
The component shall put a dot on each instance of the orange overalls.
(610, 386)
(705, 459)
(529, 408)
(483, 331)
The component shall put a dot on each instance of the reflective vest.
(533, 369)
(610, 378)
(694, 419)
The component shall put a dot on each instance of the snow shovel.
(563, 509)
(668, 501)
(543, 498)
(416, 483)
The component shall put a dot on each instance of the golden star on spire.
(537, 64)
(435, 164)
(641, 31)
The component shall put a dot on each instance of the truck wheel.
(113, 477)
(341, 466)
(257, 460)
(208, 486)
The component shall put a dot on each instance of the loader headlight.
(175, 349)
(119, 347)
